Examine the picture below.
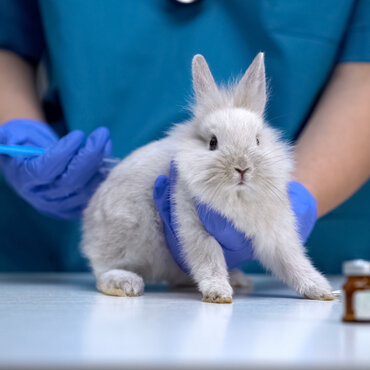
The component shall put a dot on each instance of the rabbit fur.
(123, 233)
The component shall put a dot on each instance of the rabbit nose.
(242, 172)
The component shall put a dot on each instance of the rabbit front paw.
(216, 291)
(318, 288)
(120, 283)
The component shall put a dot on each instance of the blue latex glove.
(60, 182)
(236, 247)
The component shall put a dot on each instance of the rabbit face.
(232, 151)
(227, 148)
(232, 139)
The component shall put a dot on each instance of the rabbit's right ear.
(251, 90)
(203, 82)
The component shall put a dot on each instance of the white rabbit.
(227, 157)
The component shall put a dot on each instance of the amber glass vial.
(356, 291)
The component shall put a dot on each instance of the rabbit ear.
(203, 82)
(250, 92)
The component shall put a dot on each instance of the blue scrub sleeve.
(356, 43)
(21, 29)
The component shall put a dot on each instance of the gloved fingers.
(235, 258)
(12, 169)
(161, 195)
(172, 187)
(81, 198)
(27, 132)
(47, 209)
(53, 163)
(213, 221)
(83, 166)
(67, 209)
(76, 204)
(71, 206)
(10, 163)
(24, 132)
(86, 163)
(38, 134)
(222, 229)
(29, 125)
(304, 206)
(3, 135)
(173, 174)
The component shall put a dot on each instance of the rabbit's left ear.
(250, 92)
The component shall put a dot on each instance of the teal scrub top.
(126, 65)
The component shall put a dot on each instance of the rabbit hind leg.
(239, 280)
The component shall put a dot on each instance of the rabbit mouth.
(243, 180)
(242, 183)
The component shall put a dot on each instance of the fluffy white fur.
(123, 233)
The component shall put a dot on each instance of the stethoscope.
(186, 1)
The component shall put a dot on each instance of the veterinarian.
(119, 75)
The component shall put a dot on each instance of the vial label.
(361, 303)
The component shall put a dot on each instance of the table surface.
(60, 320)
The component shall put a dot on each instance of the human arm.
(61, 182)
(333, 152)
(18, 97)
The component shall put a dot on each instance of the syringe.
(20, 151)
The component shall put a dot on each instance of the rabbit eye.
(213, 143)
(257, 141)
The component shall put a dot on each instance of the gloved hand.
(236, 247)
(60, 182)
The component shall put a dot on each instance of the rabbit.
(227, 157)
